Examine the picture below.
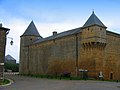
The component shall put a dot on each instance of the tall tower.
(29, 36)
(93, 43)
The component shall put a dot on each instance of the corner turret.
(30, 35)
(93, 41)
(93, 32)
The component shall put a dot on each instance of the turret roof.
(31, 30)
(93, 20)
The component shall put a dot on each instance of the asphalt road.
(28, 83)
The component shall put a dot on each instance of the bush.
(11, 66)
(6, 81)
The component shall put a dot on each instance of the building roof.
(59, 35)
(3, 28)
(93, 20)
(31, 30)
(9, 57)
(113, 33)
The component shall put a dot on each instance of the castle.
(90, 51)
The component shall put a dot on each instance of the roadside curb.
(11, 81)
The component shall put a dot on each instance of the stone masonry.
(3, 33)
(90, 48)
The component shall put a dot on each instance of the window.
(111, 75)
(88, 29)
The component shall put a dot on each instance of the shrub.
(11, 66)
(6, 81)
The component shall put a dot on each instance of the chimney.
(54, 33)
(0, 24)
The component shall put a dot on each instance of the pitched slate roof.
(93, 20)
(2, 28)
(59, 35)
(31, 30)
(9, 57)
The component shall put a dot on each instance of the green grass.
(6, 81)
(52, 77)
(64, 78)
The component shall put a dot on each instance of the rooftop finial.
(92, 11)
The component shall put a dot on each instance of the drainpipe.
(28, 61)
(76, 55)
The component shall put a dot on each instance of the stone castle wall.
(65, 54)
(105, 60)
(24, 53)
(112, 57)
(53, 57)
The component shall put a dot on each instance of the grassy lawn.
(55, 77)
(65, 78)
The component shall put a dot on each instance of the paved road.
(28, 83)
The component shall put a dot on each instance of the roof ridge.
(61, 34)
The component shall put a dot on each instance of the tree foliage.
(12, 66)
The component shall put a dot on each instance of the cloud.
(46, 29)
(18, 27)
(46, 21)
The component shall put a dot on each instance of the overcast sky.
(54, 15)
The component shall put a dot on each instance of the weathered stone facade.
(90, 48)
(3, 32)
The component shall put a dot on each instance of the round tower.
(93, 42)
(30, 35)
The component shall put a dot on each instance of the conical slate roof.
(93, 20)
(31, 30)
